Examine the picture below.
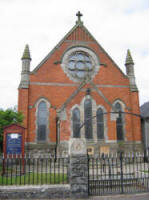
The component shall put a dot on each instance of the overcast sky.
(116, 24)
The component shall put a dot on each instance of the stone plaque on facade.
(90, 150)
(104, 149)
(77, 146)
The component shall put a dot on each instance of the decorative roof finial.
(26, 53)
(129, 59)
(79, 15)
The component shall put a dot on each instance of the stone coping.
(31, 187)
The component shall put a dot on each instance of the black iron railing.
(120, 173)
(33, 170)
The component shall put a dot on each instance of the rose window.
(80, 65)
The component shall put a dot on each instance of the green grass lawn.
(33, 179)
(147, 171)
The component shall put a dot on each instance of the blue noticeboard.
(14, 143)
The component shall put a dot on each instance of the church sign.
(13, 141)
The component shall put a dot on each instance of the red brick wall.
(23, 107)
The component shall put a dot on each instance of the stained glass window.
(79, 65)
(42, 122)
(119, 122)
(88, 118)
(76, 122)
(100, 124)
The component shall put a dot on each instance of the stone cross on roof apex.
(79, 15)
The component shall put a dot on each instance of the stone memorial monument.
(78, 168)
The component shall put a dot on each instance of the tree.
(7, 117)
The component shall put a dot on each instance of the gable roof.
(145, 110)
(79, 24)
(14, 125)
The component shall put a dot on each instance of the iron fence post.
(121, 172)
(110, 180)
(88, 160)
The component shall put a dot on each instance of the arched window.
(100, 124)
(42, 122)
(88, 118)
(76, 122)
(119, 122)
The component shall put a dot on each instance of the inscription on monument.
(77, 146)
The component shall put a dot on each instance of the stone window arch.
(42, 120)
(76, 122)
(88, 120)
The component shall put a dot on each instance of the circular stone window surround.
(92, 56)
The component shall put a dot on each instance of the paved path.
(144, 196)
(123, 197)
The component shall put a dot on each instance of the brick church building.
(78, 91)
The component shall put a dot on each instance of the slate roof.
(145, 110)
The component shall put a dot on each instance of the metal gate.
(120, 173)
